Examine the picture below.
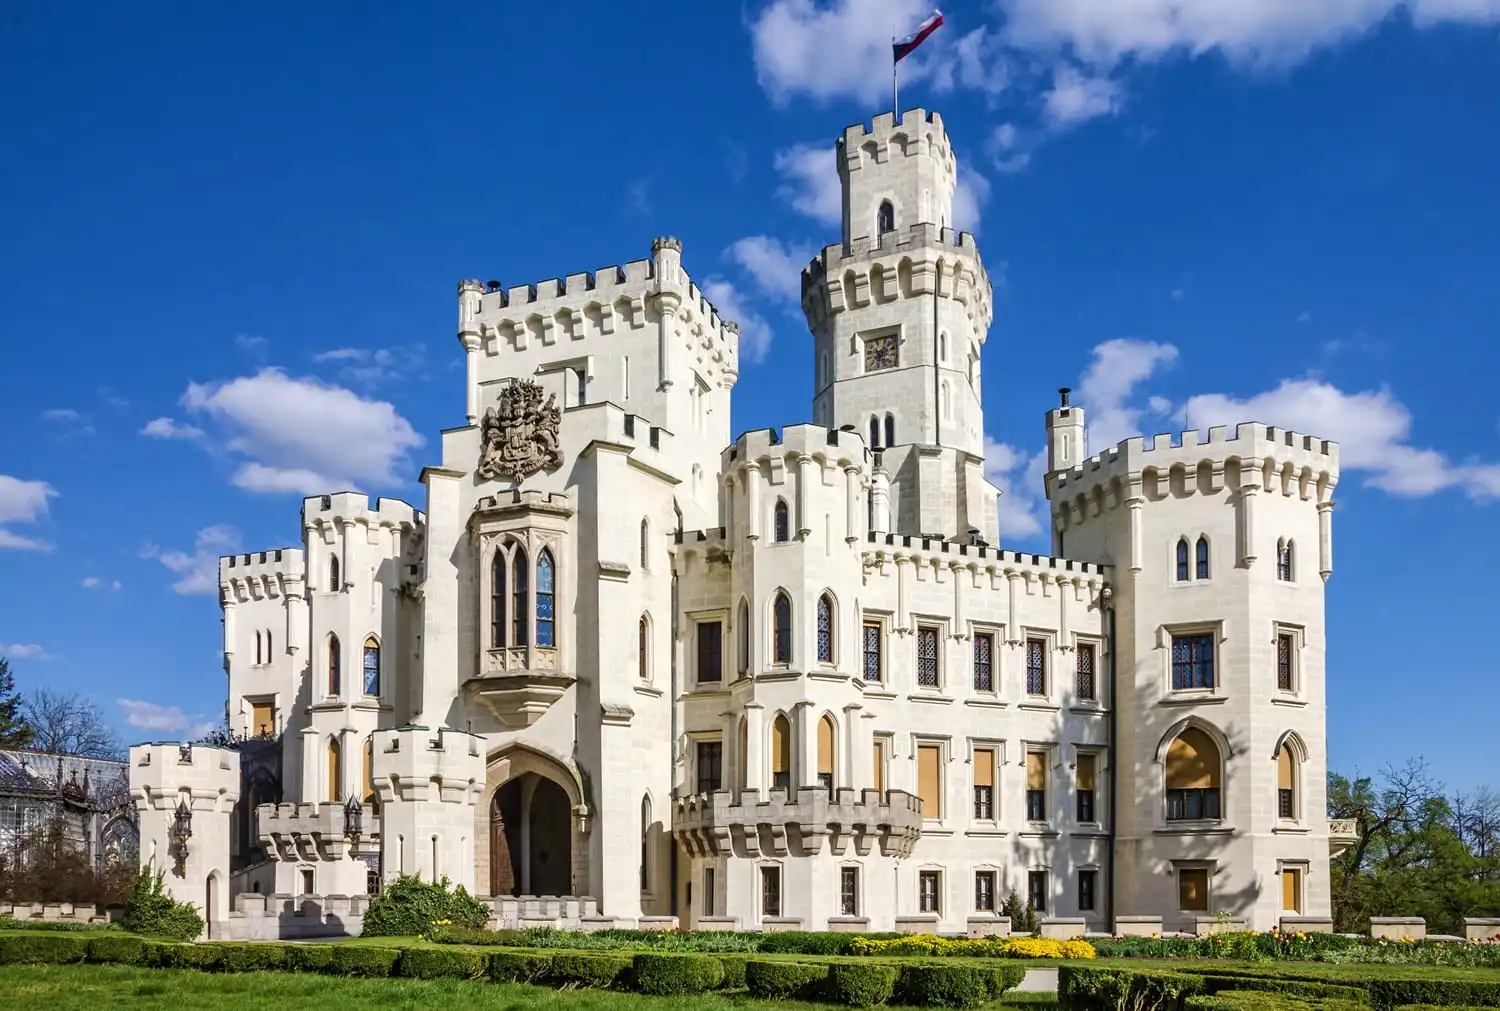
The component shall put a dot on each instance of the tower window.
(825, 629)
(1285, 561)
(885, 218)
(1183, 572)
(544, 609)
(710, 652)
(874, 433)
(520, 594)
(643, 648)
(497, 601)
(334, 659)
(927, 656)
(1202, 558)
(335, 585)
(890, 430)
(782, 521)
(1192, 777)
(1085, 687)
(1285, 648)
(781, 621)
(1036, 667)
(1192, 662)
(984, 651)
(872, 644)
(372, 666)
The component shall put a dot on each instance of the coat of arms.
(518, 436)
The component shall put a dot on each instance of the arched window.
(885, 218)
(781, 628)
(1285, 560)
(942, 346)
(825, 628)
(874, 433)
(783, 521)
(520, 593)
(1182, 561)
(645, 545)
(270, 656)
(1286, 783)
(368, 776)
(335, 585)
(825, 752)
(890, 430)
(645, 844)
(372, 666)
(334, 659)
(781, 753)
(643, 646)
(497, 601)
(947, 403)
(1202, 558)
(544, 609)
(335, 771)
(742, 748)
(1192, 777)
(742, 623)
(258, 659)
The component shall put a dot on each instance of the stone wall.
(59, 912)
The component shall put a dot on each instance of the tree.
(14, 731)
(65, 723)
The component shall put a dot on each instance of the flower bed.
(1337, 949)
(1087, 988)
(978, 947)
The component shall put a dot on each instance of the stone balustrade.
(59, 912)
(798, 824)
(284, 917)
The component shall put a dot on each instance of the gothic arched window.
(544, 605)
(520, 592)
(742, 620)
(825, 628)
(1202, 558)
(334, 659)
(372, 666)
(885, 218)
(334, 583)
(874, 433)
(783, 521)
(1285, 561)
(497, 601)
(645, 545)
(890, 430)
(781, 628)
(1183, 572)
(643, 648)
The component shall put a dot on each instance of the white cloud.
(96, 583)
(373, 366)
(198, 572)
(774, 266)
(1018, 475)
(1075, 97)
(166, 428)
(23, 502)
(1008, 148)
(305, 435)
(969, 198)
(755, 332)
(250, 343)
(24, 651)
(163, 719)
(834, 50)
(811, 182)
(1118, 367)
(62, 415)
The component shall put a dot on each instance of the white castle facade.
(790, 679)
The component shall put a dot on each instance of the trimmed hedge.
(676, 975)
(861, 984)
(734, 971)
(42, 949)
(1390, 993)
(441, 963)
(1259, 1001)
(121, 950)
(62, 926)
(593, 970)
(784, 980)
(519, 966)
(949, 985)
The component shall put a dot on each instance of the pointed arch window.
(826, 732)
(335, 584)
(1183, 573)
(890, 430)
(645, 545)
(258, 659)
(372, 666)
(1202, 558)
(544, 601)
(1286, 783)
(497, 601)
(646, 844)
(334, 662)
(335, 771)
(783, 521)
(520, 593)
(885, 218)
(1193, 771)
(270, 656)
(874, 433)
(367, 779)
(742, 625)
(781, 627)
(643, 646)
(825, 628)
(942, 345)
(1285, 561)
(781, 753)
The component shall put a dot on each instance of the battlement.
(918, 131)
(277, 820)
(555, 501)
(165, 773)
(595, 303)
(609, 422)
(1251, 444)
(330, 511)
(938, 552)
(259, 575)
(921, 259)
(418, 764)
(842, 446)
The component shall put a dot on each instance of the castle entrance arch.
(534, 813)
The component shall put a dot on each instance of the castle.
(790, 679)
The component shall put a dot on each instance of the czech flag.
(902, 48)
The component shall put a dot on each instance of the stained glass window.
(984, 650)
(1192, 661)
(1085, 671)
(372, 666)
(927, 657)
(544, 613)
(872, 651)
(825, 629)
(1036, 667)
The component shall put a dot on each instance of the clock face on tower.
(880, 353)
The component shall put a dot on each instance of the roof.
(96, 783)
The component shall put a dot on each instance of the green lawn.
(99, 987)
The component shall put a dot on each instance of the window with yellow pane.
(1192, 889)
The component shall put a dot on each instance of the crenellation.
(843, 447)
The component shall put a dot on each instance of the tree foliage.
(1420, 852)
(66, 723)
(14, 731)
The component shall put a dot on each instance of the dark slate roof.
(97, 783)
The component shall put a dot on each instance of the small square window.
(927, 656)
(984, 891)
(770, 891)
(848, 891)
(1192, 889)
(929, 888)
(1192, 661)
(710, 652)
(1087, 887)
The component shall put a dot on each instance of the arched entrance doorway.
(531, 838)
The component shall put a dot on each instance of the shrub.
(1246, 1001)
(936, 985)
(594, 971)
(672, 975)
(1090, 989)
(203, 957)
(309, 958)
(410, 906)
(243, 956)
(1389, 993)
(357, 960)
(861, 984)
(983, 947)
(734, 971)
(784, 980)
(1022, 916)
(150, 911)
(807, 942)
(65, 926)
(117, 950)
(518, 966)
(42, 949)
(441, 963)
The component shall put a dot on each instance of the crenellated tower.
(899, 312)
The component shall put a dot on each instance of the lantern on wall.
(181, 832)
(354, 820)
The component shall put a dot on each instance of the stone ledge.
(988, 926)
(1138, 926)
(1481, 928)
(926, 923)
(797, 825)
(1063, 928)
(1394, 928)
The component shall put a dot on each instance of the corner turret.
(1065, 435)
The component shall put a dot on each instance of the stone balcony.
(1342, 833)
(302, 832)
(798, 824)
(519, 683)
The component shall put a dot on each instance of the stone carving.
(518, 436)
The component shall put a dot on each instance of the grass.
(92, 987)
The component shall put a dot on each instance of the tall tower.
(899, 312)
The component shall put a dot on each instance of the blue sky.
(230, 243)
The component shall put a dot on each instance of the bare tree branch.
(69, 724)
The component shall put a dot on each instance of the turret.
(896, 174)
(1065, 435)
